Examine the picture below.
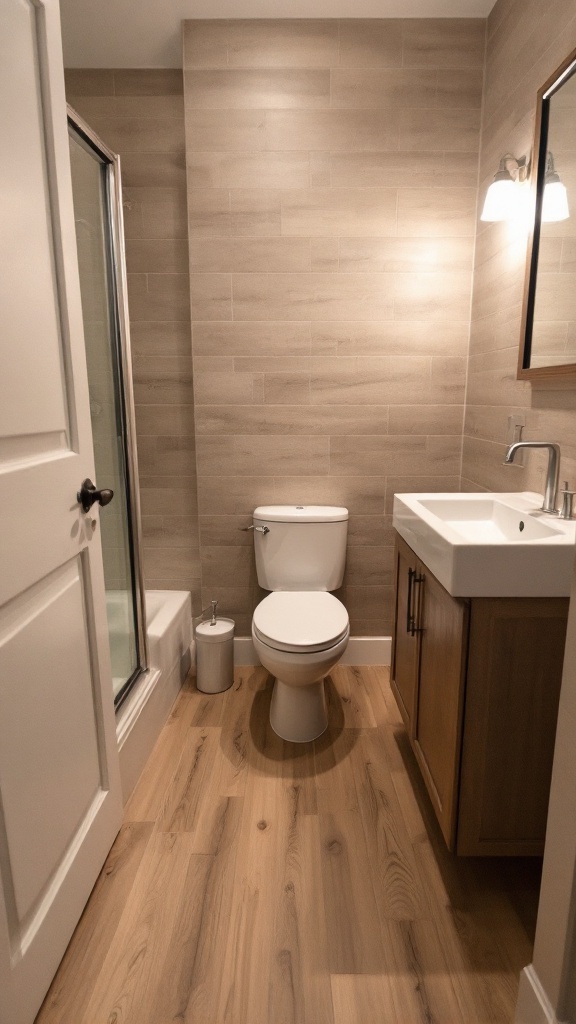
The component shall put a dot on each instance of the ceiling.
(146, 33)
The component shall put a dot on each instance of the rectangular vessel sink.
(489, 545)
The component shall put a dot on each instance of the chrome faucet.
(551, 487)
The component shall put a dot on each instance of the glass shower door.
(93, 212)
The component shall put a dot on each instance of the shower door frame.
(119, 295)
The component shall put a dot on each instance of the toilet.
(300, 631)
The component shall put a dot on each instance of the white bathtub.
(141, 718)
(169, 629)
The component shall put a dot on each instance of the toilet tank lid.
(301, 513)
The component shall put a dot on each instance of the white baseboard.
(361, 650)
(533, 1006)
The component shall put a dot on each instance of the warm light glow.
(501, 200)
(555, 202)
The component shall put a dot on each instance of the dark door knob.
(89, 494)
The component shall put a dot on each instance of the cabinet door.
(512, 694)
(443, 626)
(404, 680)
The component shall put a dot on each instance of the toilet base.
(299, 714)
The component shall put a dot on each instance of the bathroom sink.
(489, 545)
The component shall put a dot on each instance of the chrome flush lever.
(257, 529)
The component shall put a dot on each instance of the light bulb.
(501, 200)
(555, 202)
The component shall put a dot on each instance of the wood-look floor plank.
(390, 854)
(95, 931)
(358, 711)
(184, 793)
(145, 802)
(264, 882)
(169, 885)
(355, 938)
(363, 999)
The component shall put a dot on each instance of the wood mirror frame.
(525, 371)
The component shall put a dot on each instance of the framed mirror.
(548, 339)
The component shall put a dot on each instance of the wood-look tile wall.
(140, 115)
(332, 186)
(526, 41)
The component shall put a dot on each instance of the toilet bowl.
(299, 636)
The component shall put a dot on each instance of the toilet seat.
(300, 621)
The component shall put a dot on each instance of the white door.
(60, 802)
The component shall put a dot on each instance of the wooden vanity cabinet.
(477, 682)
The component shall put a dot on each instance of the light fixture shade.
(501, 200)
(555, 202)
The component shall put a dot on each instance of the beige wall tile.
(249, 170)
(249, 339)
(140, 134)
(157, 255)
(448, 130)
(226, 530)
(370, 530)
(154, 212)
(297, 419)
(426, 419)
(432, 296)
(210, 297)
(208, 213)
(287, 44)
(365, 88)
(459, 88)
(160, 170)
(443, 43)
(233, 495)
(167, 456)
(149, 82)
(325, 212)
(226, 130)
(405, 255)
(215, 388)
(104, 109)
(254, 255)
(324, 254)
(172, 339)
(389, 338)
(228, 566)
(159, 296)
(88, 82)
(437, 212)
(255, 212)
(305, 455)
(258, 89)
(287, 388)
(370, 42)
(369, 566)
(319, 170)
(205, 43)
(366, 456)
(331, 130)
(172, 531)
(165, 420)
(158, 380)
(360, 495)
(312, 296)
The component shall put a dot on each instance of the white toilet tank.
(303, 548)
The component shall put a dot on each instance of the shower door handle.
(89, 494)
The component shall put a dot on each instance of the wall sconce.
(503, 196)
(555, 200)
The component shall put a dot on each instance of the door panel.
(438, 730)
(60, 803)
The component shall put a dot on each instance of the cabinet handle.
(409, 616)
(418, 580)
